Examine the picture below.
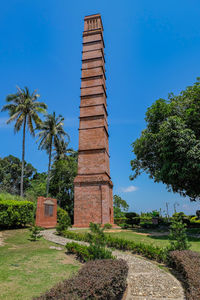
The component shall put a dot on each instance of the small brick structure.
(93, 199)
(46, 213)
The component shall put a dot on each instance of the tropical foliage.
(62, 181)
(50, 134)
(10, 172)
(120, 206)
(23, 108)
(168, 149)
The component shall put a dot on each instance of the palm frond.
(19, 123)
(8, 107)
(22, 103)
(13, 117)
(30, 125)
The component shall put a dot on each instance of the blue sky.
(152, 48)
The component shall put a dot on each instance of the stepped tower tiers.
(93, 199)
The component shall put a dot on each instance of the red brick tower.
(92, 187)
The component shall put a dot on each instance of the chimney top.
(93, 22)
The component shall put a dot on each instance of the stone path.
(146, 281)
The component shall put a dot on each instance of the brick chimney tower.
(93, 199)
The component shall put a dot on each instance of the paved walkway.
(146, 281)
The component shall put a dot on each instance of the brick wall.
(41, 219)
(92, 187)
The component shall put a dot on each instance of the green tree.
(178, 236)
(62, 150)
(50, 134)
(97, 240)
(23, 108)
(37, 186)
(62, 181)
(169, 148)
(120, 206)
(10, 172)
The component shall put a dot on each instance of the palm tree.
(50, 134)
(23, 108)
(62, 150)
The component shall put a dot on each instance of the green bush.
(76, 236)
(81, 251)
(119, 221)
(85, 253)
(63, 220)
(178, 236)
(15, 214)
(107, 226)
(99, 279)
(132, 218)
(149, 251)
(97, 240)
(195, 222)
(35, 233)
(7, 196)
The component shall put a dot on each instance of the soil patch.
(1, 239)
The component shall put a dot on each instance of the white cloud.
(129, 189)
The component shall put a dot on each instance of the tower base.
(93, 200)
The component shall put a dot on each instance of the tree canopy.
(10, 172)
(50, 135)
(120, 206)
(23, 108)
(62, 181)
(169, 148)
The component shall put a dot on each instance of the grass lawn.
(151, 238)
(156, 238)
(29, 268)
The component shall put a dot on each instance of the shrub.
(77, 236)
(188, 264)
(119, 221)
(178, 236)
(81, 251)
(195, 222)
(107, 226)
(7, 196)
(97, 240)
(96, 249)
(132, 218)
(63, 220)
(15, 214)
(100, 279)
(34, 233)
(149, 251)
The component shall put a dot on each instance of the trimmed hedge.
(81, 251)
(149, 251)
(85, 253)
(15, 214)
(99, 279)
(188, 264)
